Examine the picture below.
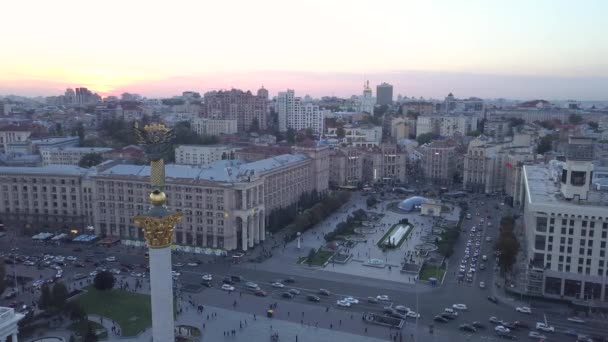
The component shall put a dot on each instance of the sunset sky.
(517, 49)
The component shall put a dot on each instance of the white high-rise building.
(295, 113)
(566, 228)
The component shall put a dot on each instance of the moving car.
(523, 309)
(402, 308)
(192, 264)
(251, 285)
(460, 307)
(372, 300)
(520, 324)
(478, 325)
(482, 285)
(324, 292)
(294, 292)
(502, 329)
(207, 277)
(351, 300)
(278, 285)
(383, 298)
(493, 299)
(467, 327)
(412, 314)
(440, 319)
(289, 280)
(313, 298)
(544, 327)
(287, 295)
(342, 302)
(260, 293)
(227, 287)
(576, 320)
(111, 259)
(536, 335)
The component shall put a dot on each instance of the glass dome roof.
(412, 203)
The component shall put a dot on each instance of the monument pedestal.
(161, 294)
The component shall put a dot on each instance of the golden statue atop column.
(158, 224)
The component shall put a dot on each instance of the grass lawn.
(320, 258)
(390, 231)
(80, 327)
(431, 272)
(131, 311)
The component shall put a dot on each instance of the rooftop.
(221, 171)
(54, 140)
(541, 188)
(63, 170)
(80, 149)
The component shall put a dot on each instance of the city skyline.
(545, 49)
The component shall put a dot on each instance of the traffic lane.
(292, 311)
(429, 304)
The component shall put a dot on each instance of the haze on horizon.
(516, 49)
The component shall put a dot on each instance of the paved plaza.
(364, 251)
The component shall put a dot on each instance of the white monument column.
(158, 225)
(162, 294)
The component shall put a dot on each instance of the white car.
(192, 264)
(207, 277)
(343, 303)
(29, 263)
(351, 300)
(402, 308)
(278, 285)
(227, 287)
(175, 273)
(544, 327)
(71, 258)
(92, 274)
(460, 307)
(383, 298)
(252, 285)
(178, 264)
(482, 285)
(412, 314)
(111, 259)
(523, 309)
(502, 329)
(450, 311)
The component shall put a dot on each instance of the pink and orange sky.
(552, 49)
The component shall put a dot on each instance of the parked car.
(287, 295)
(251, 285)
(289, 280)
(493, 299)
(294, 292)
(478, 325)
(537, 336)
(520, 324)
(278, 285)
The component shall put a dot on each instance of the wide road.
(420, 297)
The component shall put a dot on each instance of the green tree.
(291, 135)
(255, 125)
(104, 281)
(59, 295)
(2, 276)
(340, 132)
(575, 119)
(90, 159)
(594, 125)
(311, 256)
(78, 130)
(507, 244)
(89, 335)
(515, 122)
(426, 138)
(46, 300)
(371, 201)
(545, 144)
(75, 311)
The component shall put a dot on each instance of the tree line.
(347, 226)
(507, 245)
